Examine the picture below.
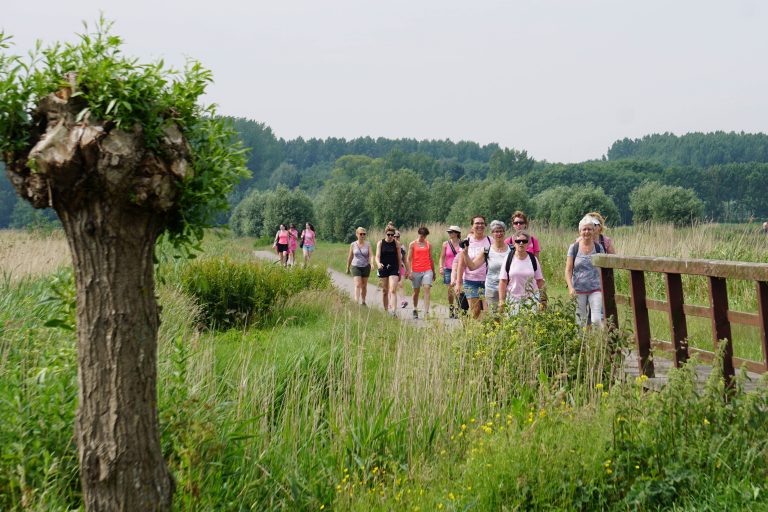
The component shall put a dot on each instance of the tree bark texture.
(114, 197)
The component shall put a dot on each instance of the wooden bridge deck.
(663, 365)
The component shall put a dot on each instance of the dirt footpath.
(346, 284)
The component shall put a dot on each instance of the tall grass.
(335, 406)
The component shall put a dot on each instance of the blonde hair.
(359, 230)
(599, 218)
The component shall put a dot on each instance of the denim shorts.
(447, 276)
(419, 278)
(474, 289)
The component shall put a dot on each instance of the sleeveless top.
(388, 254)
(309, 237)
(282, 237)
(422, 260)
(361, 257)
(449, 255)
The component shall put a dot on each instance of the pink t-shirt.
(521, 279)
(293, 239)
(475, 248)
(533, 244)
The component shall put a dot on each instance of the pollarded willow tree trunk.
(114, 197)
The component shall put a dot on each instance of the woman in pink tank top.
(445, 265)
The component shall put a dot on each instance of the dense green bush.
(233, 294)
(287, 206)
(248, 217)
(655, 202)
(400, 197)
(340, 211)
(565, 206)
(494, 199)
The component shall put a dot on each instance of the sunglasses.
(521, 242)
(519, 223)
(390, 234)
(397, 236)
(363, 234)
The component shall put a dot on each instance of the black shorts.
(389, 270)
(282, 247)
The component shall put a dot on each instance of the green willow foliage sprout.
(120, 90)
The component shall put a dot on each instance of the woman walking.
(308, 239)
(388, 262)
(359, 264)
(445, 265)
(421, 270)
(281, 244)
(582, 277)
(472, 282)
(520, 223)
(293, 242)
(493, 258)
(521, 281)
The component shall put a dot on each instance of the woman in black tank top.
(388, 261)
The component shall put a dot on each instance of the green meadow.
(276, 392)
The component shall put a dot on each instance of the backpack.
(508, 263)
(599, 249)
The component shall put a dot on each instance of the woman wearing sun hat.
(445, 264)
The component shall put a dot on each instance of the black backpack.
(511, 255)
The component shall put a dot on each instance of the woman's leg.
(581, 309)
(427, 289)
(385, 292)
(357, 280)
(363, 288)
(394, 282)
(474, 307)
(596, 305)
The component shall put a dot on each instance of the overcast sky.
(562, 79)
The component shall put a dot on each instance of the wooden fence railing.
(718, 311)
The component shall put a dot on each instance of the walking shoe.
(415, 314)
(404, 304)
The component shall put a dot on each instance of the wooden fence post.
(762, 314)
(721, 326)
(642, 325)
(609, 297)
(677, 324)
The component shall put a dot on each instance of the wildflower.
(439, 506)
(599, 386)
(706, 421)
(463, 426)
(322, 507)
(451, 496)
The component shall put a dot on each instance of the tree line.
(723, 177)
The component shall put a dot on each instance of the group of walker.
(483, 273)
(287, 241)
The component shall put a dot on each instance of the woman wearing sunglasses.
(472, 282)
(492, 258)
(359, 264)
(520, 281)
(520, 223)
(388, 262)
(582, 277)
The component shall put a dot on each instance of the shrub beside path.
(346, 284)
